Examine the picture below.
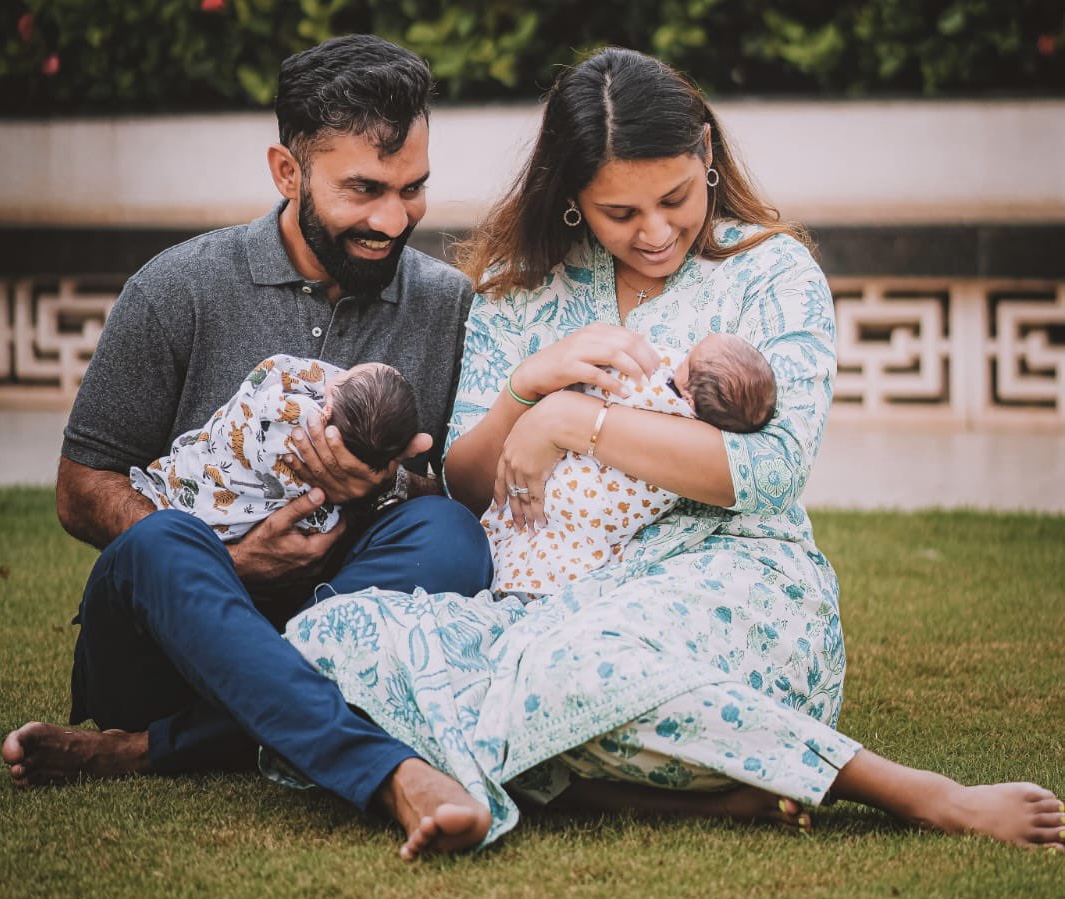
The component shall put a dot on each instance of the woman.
(702, 673)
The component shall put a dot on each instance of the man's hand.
(275, 552)
(326, 463)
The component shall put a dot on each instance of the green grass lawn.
(955, 627)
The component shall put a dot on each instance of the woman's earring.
(572, 216)
(712, 177)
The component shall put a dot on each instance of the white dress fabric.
(709, 655)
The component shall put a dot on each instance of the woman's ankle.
(909, 793)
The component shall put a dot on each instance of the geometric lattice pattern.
(1028, 350)
(48, 332)
(964, 351)
(894, 347)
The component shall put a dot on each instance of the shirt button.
(316, 331)
(307, 288)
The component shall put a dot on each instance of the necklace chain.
(641, 295)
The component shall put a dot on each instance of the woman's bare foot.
(1020, 813)
(1024, 814)
(738, 804)
(760, 806)
(436, 813)
(41, 754)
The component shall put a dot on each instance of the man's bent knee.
(430, 542)
(454, 547)
(168, 524)
(165, 530)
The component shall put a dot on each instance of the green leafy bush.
(115, 55)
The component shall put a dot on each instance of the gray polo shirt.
(190, 325)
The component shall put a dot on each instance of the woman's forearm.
(470, 464)
(681, 455)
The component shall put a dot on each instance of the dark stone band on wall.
(1028, 251)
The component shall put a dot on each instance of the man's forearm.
(96, 506)
(419, 485)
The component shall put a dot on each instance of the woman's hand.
(533, 447)
(521, 442)
(325, 462)
(529, 454)
(579, 359)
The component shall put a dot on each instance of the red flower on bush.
(212, 5)
(50, 66)
(25, 27)
(1046, 44)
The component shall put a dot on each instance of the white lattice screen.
(48, 331)
(965, 351)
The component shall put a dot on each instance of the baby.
(230, 473)
(593, 510)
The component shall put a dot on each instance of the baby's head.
(728, 383)
(375, 410)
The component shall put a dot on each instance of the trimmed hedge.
(108, 56)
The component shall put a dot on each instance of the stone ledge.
(823, 162)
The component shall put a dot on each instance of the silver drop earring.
(572, 216)
(712, 177)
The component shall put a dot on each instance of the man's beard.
(354, 275)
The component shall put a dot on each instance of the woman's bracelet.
(514, 395)
(596, 428)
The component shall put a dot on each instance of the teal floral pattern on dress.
(709, 655)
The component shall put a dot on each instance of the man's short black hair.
(358, 84)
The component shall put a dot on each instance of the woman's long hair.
(617, 104)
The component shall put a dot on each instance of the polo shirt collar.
(268, 258)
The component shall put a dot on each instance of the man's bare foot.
(741, 803)
(41, 754)
(436, 813)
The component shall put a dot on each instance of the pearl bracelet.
(596, 428)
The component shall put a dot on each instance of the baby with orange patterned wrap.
(231, 473)
(593, 510)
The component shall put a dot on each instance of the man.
(174, 661)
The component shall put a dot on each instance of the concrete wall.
(833, 162)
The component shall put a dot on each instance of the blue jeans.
(172, 643)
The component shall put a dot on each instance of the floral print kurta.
(717, 632)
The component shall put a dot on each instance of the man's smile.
(369, 247)
(371, 244)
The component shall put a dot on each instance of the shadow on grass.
(844, 819)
